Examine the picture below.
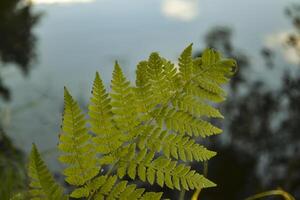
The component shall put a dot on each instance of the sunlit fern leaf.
(192, 88)
(159, 89)
(156, 81)
(107, 137)
(90, 188)
(145, 131)
(100, 109)
(42, 184)
(171, 77)
(209, 85)
(216, 68)
(78, 152)
(144, 98)
(186, 64)
(161, 170)
(172, 145)
(196, 107)
(211, 71)
(142, 78)
(123, 101)
(184, 123)
(108, 187)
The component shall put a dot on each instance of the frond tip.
(75, 143)
(42, 184)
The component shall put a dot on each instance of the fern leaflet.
(42, 184)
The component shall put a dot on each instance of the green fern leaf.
(79, 153)
(108, 187)
(160, 170)
(145, 132)
(214, 67)
(195, 107)
(172, 145)
(42, 184)
(107, 137)
(185, 123)
(100, 109)
(156, 81)
(186, 64)
(123, 101)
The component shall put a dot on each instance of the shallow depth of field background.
(48, 44)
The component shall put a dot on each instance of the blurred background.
(48, 44)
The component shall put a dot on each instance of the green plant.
(147, 131)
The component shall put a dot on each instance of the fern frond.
(42, 184)
(172, 145)
(211, 71)
(100, 109)
(171, 77)
(195, 107)
(107, 138)
(144, 131)
(161, 170)
(212, 61)
(184, 123)
(216, 68)
(78, 151)
(209, 85)
(108, 187)
(123, 101)
(192, 88)
(156, 81)
(186, 64)
(159, 89)
(144, 98)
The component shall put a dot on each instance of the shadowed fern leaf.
(42, 184)
(147, 131)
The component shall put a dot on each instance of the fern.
(42, 183)
(78, 152)
(146, 131)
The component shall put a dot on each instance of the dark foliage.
(17, 40)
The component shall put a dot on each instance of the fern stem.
(196, 194)
(280, 192)
(112, 168)
(182, 194)
(205, 172)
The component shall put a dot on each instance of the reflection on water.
(17, 41)
(184, 10)
(288, 41)
(279, 40)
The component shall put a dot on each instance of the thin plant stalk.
(277, 192)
